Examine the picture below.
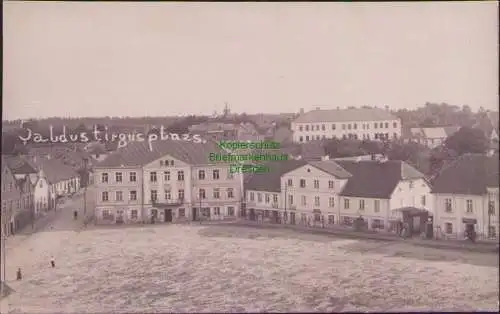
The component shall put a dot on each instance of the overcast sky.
(97, 59)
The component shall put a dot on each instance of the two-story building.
(176, 181)
(384, 192)
(466, 197)
(311, 192)
(263, 191)
(17, 193)
(432, 137)
(356, 123)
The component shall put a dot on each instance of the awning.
(469, 221)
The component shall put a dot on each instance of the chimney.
(301, 111)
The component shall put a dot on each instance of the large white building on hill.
(361, 124)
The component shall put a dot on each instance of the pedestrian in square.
(52, 262)
(19, 275)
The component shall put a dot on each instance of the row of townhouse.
(337, 192)
(174, 181)
(383, 193)
(32, 185)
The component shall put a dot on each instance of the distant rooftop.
(346, 115)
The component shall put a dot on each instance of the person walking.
(52, 262)
(19, 275)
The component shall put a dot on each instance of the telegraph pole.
(4, 259)
(87, 177)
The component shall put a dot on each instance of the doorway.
(167, 215)
(252, 214)
(194, 211)
(119, 217)
(154, 215)
(292, 218)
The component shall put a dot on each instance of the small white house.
(42, 199)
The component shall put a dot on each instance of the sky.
(136, 59)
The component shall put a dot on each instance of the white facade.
(380, 212)
(361, 130)
(450, 210)
(169, 190)
(42, 196)
(310, 193)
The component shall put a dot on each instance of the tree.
(467, 140)
(372, 147)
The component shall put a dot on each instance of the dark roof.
(138, 154)
(332, 168)
(54, 170)
(271, 181)
(469, 174)
(19, 165)
(345, 115)
(376, 179)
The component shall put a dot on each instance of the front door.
(194, 211)
(252, 214)
(168, 215)
(119, 216)
(154, 215)
(292, 218)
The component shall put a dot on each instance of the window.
(104, 178)
(275, 198)
(132, 177)
(180, 194)
(316, 184)
(166, 175)
(230, 193)
(119, 195)
(168, 194)
(201, 175)
(300, 128)
(118, 177)
(133, 214)
(182, 212)
(411, 184)
(347, 221)
(268, 198)
(316, 201)
(491, 208)
(333, 127)
(180, 175)
(447, 205)
(230, 211)
(381, 125)
(377, 224)
(259, 197)
(290, 182)
(307, 138)
(161, 163)
(448, 228)
(346, 203)
(331, 219)
(217, 211)
(307, 127)
(331, 184)
(331, 202)
(343, 126)
(171, 162)
(154, 195)
(303, 200)
(302, 183)
(215, 174)
(386, 125)
(106, 215)
(152, 176)
(422, 200)
(469, 206)
(376, 206)
(252, 196)
(361, 204)
(216, 193)
(323, 127)
(394, 124)
(492, 232)
(355, 126)
(18, 204)
(201, 194)
(105, 196)
(133, 195)
(290, 200)
(375, 125)
(349, 126)
(301, 138)
(317, 127)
